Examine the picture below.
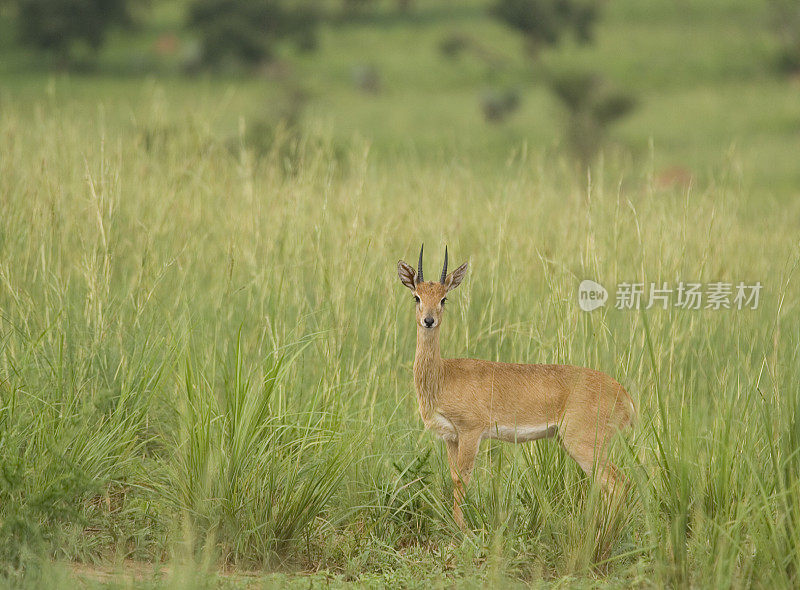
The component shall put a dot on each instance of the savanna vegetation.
(205, 352)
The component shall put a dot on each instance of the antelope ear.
(454, 279)
(407, 274)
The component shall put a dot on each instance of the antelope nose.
(428, 322)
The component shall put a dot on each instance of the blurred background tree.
(247, 30)
(380, 75)
(356, 6)
(350, 7)
(544, 23)
(59, 26)
(592, 104)
(786, 19)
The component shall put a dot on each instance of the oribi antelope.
(466, 400)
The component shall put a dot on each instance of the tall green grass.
(250, 477)
(205, 361)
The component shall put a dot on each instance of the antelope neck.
(428, 370)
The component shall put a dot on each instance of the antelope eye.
(442, 301)
(416, 298)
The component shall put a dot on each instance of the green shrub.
(250, 477)
(59, 25)
(247, 31)
(545, 22)
(62, 448)
(786, 19)
(592, 104)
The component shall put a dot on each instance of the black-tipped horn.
(444, 268)
(419, 266)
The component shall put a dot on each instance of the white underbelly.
(443, 428)
(520, 433)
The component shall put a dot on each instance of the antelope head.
(430, 296)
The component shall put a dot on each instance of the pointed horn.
(444, 268)
(419, 266)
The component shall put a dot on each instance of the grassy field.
(205, 352)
